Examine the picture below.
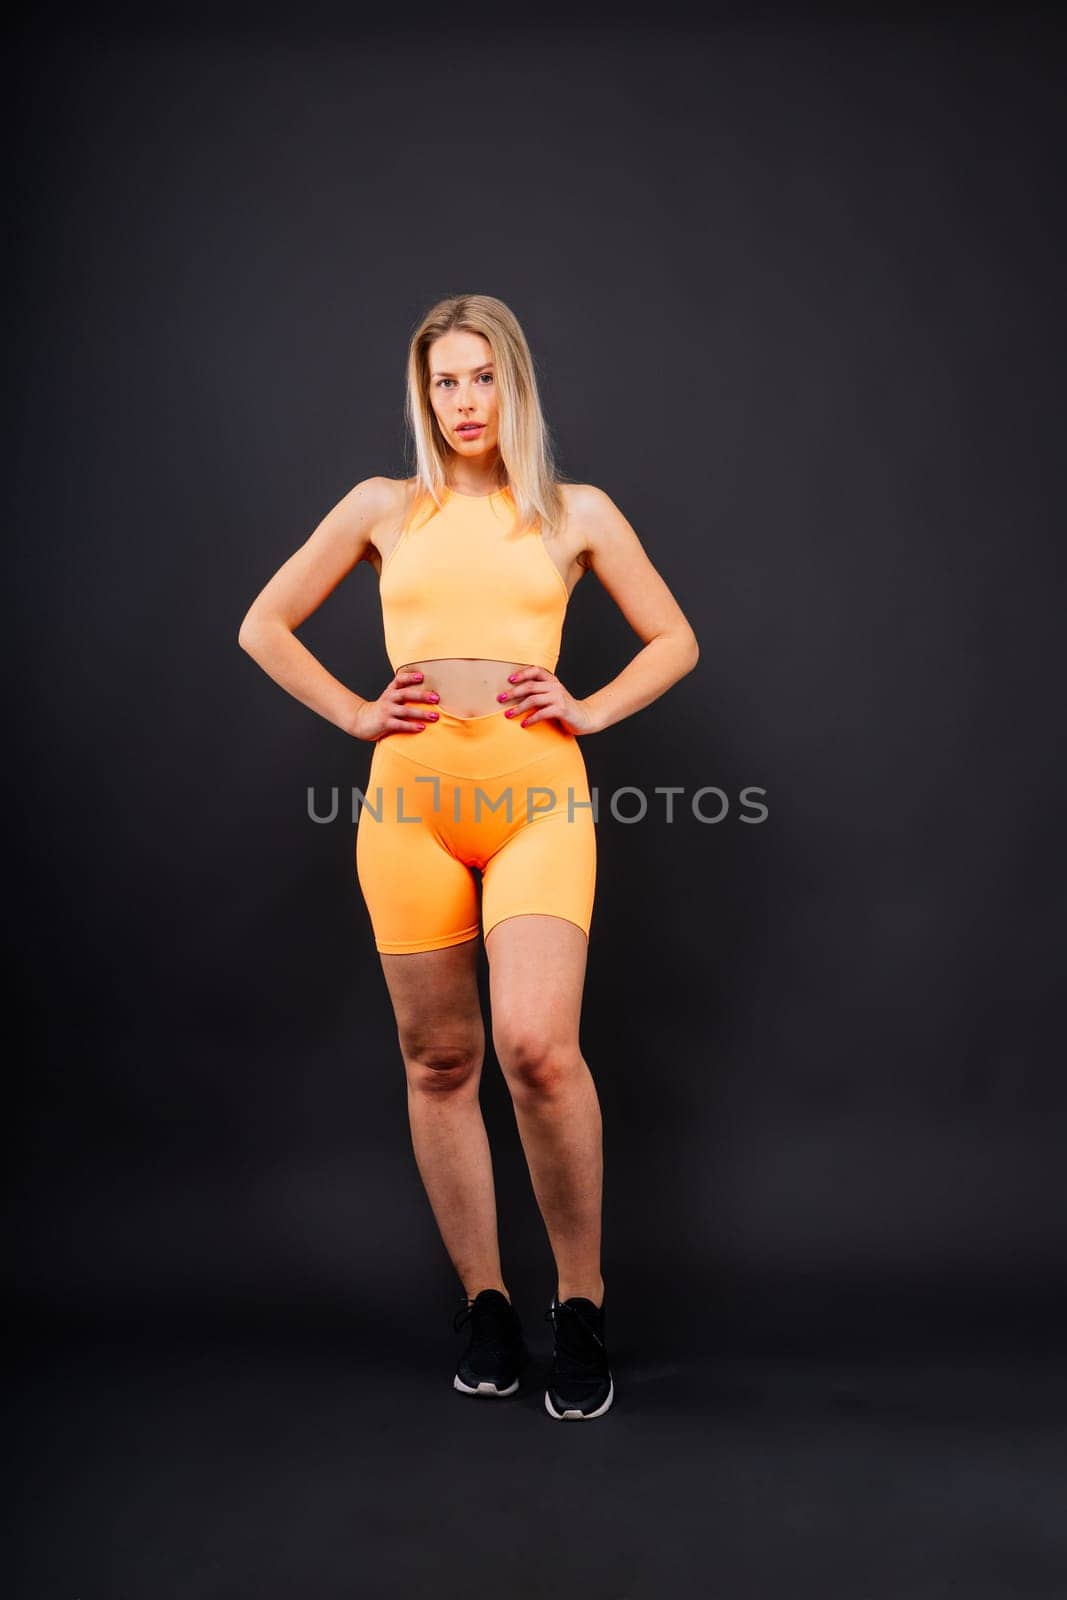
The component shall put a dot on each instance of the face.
(463, 389)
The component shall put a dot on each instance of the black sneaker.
(497, 1351)
(580, 1384)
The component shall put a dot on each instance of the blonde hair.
(525, 442)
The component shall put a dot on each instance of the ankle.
(588, 1288)
(474, 1289)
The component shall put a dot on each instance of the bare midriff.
(468, 687)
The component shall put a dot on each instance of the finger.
(544, 680)
(417, 694)
(553, 707)
(524, 718)
(527, 702)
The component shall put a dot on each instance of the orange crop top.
(463, 582)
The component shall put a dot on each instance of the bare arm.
(671, 649)
(298, 588)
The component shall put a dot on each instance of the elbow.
(684, 649)
(258, 631)
(246, 633)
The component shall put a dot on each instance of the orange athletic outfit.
(473, 794)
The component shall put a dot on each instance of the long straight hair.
(525, 442)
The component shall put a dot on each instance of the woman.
(477, 781)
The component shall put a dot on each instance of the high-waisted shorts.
(470, 821)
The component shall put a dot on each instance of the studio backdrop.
(792, 294)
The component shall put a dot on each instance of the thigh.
(547, 865)
(537, 903)
(419, 896)
(537, 968)
(437, 1005)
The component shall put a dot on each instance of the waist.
(468, 687)
(486, 746)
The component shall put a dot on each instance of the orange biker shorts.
(466, 796)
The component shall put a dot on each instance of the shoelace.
(573, 1311)
(491, 1313)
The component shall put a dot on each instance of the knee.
(536, 1068)
(441, 1069)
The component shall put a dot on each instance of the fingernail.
(432, 715)
(510, 713)
(433, 695)
(501, 696)
(512, 676)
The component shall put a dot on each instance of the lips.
(470, 427)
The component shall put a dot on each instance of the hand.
(536, 690)
(396, 710)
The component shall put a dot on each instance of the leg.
(442, 1041)
(537, 972)
(423, 905)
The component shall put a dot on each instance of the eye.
(441, 382)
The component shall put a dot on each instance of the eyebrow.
(452, 374)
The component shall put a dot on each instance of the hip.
(488, 746)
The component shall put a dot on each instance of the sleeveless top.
(464, 582)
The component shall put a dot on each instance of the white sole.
(484, 1387)
(580, 1416)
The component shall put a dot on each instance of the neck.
(476, 478)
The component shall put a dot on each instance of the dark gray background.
(792, 282)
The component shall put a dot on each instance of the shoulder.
(381, 505)
(383, 496)
(592, 515)
(354, 527)
(590, 506)
(358, 511)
